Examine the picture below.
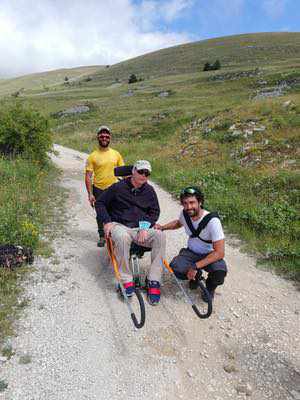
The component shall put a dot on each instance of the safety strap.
(201, 226)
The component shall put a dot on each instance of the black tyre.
(205, 309)
(138, 314)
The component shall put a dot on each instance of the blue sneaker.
(153, 292)
(129, 288)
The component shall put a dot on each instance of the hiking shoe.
(129, 289)
(101, 242)
(204, 295)
(153, 292)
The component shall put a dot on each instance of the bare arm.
(176, 224)
(217, 254)
(89, 187)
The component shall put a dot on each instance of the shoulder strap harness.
(201, 226)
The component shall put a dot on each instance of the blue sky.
(214, 18)
(49, 34)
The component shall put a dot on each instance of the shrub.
(132, 78)
(25, 132)
(207, 67)
(215, 66)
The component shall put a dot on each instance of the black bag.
(12, 256)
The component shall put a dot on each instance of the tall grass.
(26, 199)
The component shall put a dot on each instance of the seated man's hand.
(107, 229)
(191, 274)
(141, 237)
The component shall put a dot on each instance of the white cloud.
(274, 8)
(149, 12)
(173, 9)
(37, 36)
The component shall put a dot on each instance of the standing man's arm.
(89, 187)
(89, 171)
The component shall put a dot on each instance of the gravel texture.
(76, 340)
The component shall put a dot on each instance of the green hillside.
(234, 131)
(44, 80)
(233, 51)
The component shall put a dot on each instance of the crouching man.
(205, 247)
(129, 209)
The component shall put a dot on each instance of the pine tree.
(216, 65)
(207, 67)
(132, 78)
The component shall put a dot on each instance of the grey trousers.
(123, 236)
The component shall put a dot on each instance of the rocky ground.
(76, 341)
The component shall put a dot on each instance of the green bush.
(132, 79)
(25, 132)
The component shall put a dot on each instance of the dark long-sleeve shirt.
(124, 203)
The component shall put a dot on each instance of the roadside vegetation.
(27, 198)
(234, 131)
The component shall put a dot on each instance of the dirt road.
(80, 344)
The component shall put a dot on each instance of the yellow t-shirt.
(102, 164)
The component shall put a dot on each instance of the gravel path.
(76, 341)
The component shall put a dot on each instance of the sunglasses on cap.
(190, 190)
(144, 172)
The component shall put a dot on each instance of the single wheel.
(137, 309)
(204, 310)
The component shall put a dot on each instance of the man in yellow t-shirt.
(99, 171)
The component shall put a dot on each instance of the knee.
(160, 238)
(120, 236)
(179, 272)
(217, 277)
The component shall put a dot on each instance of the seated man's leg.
(157, 241)
(185, 260)
(122, 239)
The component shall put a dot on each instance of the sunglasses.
(189, 190)
(144, 172)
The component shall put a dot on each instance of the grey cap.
(142, 164)
(103, 128)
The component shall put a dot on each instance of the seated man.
(129, 209)
(205, 247)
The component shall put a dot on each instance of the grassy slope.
(44, 80)
(233, 51)
(255, 177)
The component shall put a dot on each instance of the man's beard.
(104, 144)
(193, 212)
